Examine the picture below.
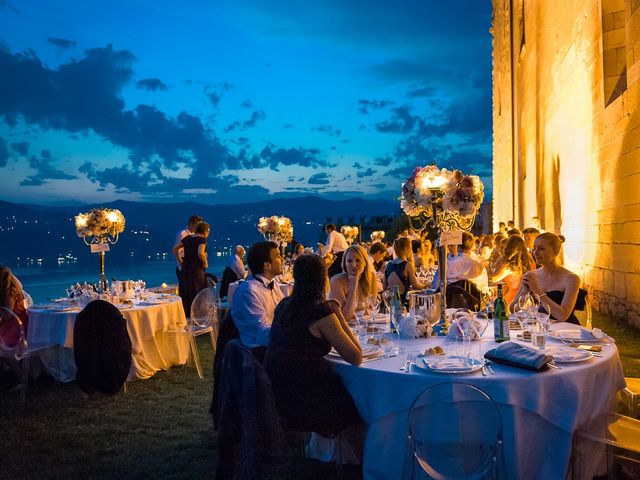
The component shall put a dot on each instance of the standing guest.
(309, 395)
(193, 264)
(552, 283)
(255, 299)
(236, 263)
(464, 267)
(11, 297)
(400, 272)
(298, 250)
(502, 228)
(356, 284)
(191, 228)
(515, 261)
(336, 245)
(510, 225)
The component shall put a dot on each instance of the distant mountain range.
(32, 232)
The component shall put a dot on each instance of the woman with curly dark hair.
(515, 261)
(309, 394)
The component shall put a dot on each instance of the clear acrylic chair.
(455, 432)
(203, 319)
(608, 446)
(15, 348)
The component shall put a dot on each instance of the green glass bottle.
(395, 311)
(500, 318)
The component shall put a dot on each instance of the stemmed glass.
(464, 325)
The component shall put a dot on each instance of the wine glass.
(522, 315)
(464, 325)
(373, 302)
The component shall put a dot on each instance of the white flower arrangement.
(349, 232)
(100, 223)
(413, 327)
(276, 228)
(377, 235)
(461, 193)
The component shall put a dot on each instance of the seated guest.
(236, 263)
(464, 267)
(496, 255)
(255, 299)
(514, 263)
(552, 283)
(309, 395)
(400, 272)
(356, 284)
(11, 297)
(530, 234)
(378, 255)
(485, 249)
(422, 257)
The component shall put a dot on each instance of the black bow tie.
(270, 285)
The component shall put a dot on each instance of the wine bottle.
(395, 310)
(500, 318)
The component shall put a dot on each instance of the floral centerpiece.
(377, 236)
(349, 232)
(100, 223)
(461, 193)
(277, 229)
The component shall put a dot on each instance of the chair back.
(582, 309)
(463, 294)
(455, 432)
(13, 341)
(228, 277)
(226, 333)
(101, 348)
(204, 308)
(28, 301)
(246, 411)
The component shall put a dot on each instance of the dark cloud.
(357, 165)
(274, 157)
(214, 98)
(366, 106)
(44, 170)
(62, 42)
(22, 148)
(421, 91)
(328, 129)
(402, 121)
(4, 153)
(383, 161)
(151, 84)
(246, 104)
(318, 179)
(256, 116)
(366, 173)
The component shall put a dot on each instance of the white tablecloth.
(152, 348)
(540, 411)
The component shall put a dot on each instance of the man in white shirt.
(464, 267)
(255, 299)
(194, 220)
(336, 244)
(236, 263)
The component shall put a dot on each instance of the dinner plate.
(575, 335)
(568, 355)
(454, 364)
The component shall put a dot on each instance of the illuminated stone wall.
(566, 118)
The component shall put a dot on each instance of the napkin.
(516, 355)
(594, 334)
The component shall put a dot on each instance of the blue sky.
(239, 101)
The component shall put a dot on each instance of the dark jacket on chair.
(228, 277)
(101, 348)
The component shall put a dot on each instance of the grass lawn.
(160, 429)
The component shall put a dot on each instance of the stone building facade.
(566, 135)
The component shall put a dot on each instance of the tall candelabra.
(100, 228)
(276, 229)
(443, 200)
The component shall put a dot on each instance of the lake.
(43, 284)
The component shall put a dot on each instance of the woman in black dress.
(194, 263)
(309, 394)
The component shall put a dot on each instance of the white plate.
(448, 364)
(568, 354)
(370, 351)
(575, 335)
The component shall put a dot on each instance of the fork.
(488, 365)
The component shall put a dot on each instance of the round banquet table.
(540, 410)
(150, 324)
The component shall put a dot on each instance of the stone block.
(619, 19)
(624, 258)
(633, 287)
(608, 22)
(610, 6)
(620, 284)
(614, 39)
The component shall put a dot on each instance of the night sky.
(240, 100)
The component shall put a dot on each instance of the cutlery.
(484, 369)
(488, 364)
(551, 365)
(382, 357)
(407, 367)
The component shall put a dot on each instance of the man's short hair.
(195, 219)
(532, 230)
(514, 231)
(330, 226)
(258, 254)
(202, 227)
(416, 245)
(377, 247)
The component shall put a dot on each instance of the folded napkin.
(594, 334)
(516, 355)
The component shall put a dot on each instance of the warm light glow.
(81, 220)
(112, 217)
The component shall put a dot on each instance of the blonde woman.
(357, 282)
(401, 271)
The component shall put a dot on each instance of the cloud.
(318, 179)
(402, 121)
(366, 106)
(44, 171)
(246, 104)
(256, 116)
(22, 148)
(151, 84)
(62, 42)
(4, 153)
(367, 173)
(328, 129)
(274, 157)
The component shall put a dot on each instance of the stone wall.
(568, 151)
